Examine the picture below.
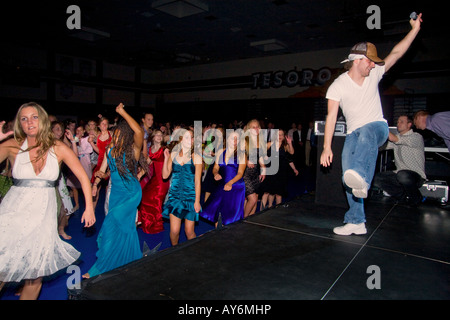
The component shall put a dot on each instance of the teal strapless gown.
(181, 199)
(118, 241)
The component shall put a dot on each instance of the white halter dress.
(30, 246)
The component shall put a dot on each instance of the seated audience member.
(403, 183)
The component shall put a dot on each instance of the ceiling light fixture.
(89, 34)
(186, 57)
(180, 8)
(269, 45)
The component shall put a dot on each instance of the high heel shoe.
(90, 231)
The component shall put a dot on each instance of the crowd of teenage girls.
(149, 172)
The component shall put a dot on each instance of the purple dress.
(230, 204)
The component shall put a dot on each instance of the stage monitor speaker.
(329, 187)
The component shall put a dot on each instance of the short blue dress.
(181, 198)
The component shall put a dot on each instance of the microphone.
(413, 15)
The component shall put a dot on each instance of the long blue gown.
(118, 241)
(230, 204)
(181, 199)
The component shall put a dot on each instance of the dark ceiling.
(131, 32)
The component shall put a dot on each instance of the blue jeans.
(360, 153)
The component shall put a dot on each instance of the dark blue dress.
(118, 241)
(181, 199)
(230, 204)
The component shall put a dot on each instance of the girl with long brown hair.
(155, 191)
(118, 241)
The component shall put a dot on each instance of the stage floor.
(290, 253)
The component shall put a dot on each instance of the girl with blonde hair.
(255, 171)
(29, 243)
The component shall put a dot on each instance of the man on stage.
(356, 93)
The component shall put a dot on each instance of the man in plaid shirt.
(403, 183)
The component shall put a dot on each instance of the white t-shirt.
(360, 104)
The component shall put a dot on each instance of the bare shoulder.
(9, 143)
(10, 146)
(60, 145)
(9, 150)
(61, 150)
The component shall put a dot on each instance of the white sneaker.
(351, 228)
(354, 181)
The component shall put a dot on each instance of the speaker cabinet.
(329, 187)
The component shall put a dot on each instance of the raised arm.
(72, 141)
(93, 144)
(400, 48)
(290, 147)
(8, 150)
(138, 131)
(3, 136)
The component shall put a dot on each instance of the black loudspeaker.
(329, 187)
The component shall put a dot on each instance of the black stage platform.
(290, 253)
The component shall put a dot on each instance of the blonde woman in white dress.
(30, 247)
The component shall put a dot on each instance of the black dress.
(277, 183)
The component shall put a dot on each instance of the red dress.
(153, 196)
(101, 145)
